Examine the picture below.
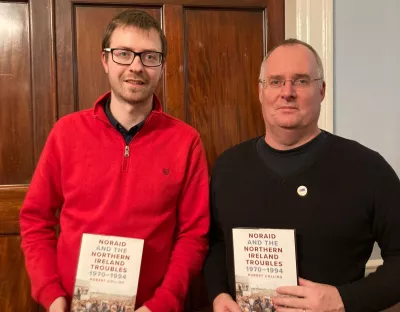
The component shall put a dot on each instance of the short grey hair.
(290, 42)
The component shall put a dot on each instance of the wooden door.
(50, 66)
(27, 113)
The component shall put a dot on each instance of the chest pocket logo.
(166, 171)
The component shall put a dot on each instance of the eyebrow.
(275, 77)
(123, 48)
(129, 49)
(295, 76)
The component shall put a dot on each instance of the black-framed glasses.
(126, 57)
(301, 82)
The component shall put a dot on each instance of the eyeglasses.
(302, 82)
(126, 57)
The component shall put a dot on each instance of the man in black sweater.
(338, 195)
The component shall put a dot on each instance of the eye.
(302, 82)
(274, 82)
(122, 53)
(150, 56)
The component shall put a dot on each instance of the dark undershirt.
(288, 162)
(127, 134)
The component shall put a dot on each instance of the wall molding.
(312, 21)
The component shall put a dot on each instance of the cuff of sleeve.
(349, 301)
(214, 290)
(50, 293)
(164, 301)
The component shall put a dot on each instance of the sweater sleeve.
(38, 221)
(215, 271)
(191, 236)
(380, 289)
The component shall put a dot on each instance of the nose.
(136, 65)
(288, 90)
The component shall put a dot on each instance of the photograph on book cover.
(107, 274)
(264, 259)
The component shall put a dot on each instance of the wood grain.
(11, 198)
(275, 17)
(27, 113)
(191, 3)
(14, 283)
(16, 147)
(224, 53)
(174, 71)
(44, 97)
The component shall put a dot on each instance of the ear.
(322, 90)
(104, 61)
(162, 69)
(260, 91)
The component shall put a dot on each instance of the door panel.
(16, 158)
(11, 199)
(27, 114)
(224, 51)
(14, 282)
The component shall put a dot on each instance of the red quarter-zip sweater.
(156, 188)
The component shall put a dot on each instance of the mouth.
(135, 82)
(289, 108)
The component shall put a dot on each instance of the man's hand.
(311, 297)
(59, 305)
(224, 303)
(143, 309)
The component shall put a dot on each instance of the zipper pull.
(126, 154)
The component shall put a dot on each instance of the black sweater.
(353, 200)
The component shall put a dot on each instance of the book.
(264, 259)
(107, 274)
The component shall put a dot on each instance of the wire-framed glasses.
(301, 82)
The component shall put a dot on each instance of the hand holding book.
(225, 303)
(309, 296)
(59, 305)
(143, 309)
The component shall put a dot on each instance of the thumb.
(306, 283)
(233, 306)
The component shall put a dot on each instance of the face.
(135, 83)
(291, 107)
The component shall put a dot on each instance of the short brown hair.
(134, 18)
(292, 41)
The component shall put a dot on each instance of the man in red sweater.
(122, 168)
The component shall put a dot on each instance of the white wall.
(367, 74)
(366, 67)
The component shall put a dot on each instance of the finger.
(307, 283)
(292, 302)
(299, 291)
(283, 309)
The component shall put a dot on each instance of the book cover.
(107, 274)
(264, 259)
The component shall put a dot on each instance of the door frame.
(312, 21)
